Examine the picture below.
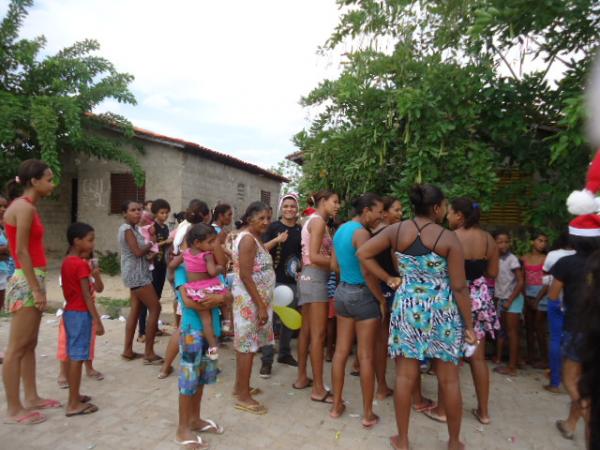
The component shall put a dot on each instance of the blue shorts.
(78, 326)
(355, 301)
(571, 345)
(516, 307)
(195, 368)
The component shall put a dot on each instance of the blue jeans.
(556, 318)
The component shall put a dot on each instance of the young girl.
(508, 292)
(535, 311)
(202, 272)
(147, 230)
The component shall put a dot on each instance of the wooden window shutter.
(509, 212)
(265, 197)
(123, 188)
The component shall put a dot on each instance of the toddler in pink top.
(202, 272)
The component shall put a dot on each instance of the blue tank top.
(346, 253)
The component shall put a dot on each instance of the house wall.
(215, 182)
(171, 174)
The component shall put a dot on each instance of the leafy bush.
(109, 262)
(112, 306)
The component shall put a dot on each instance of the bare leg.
(23, 326)
(171, 354)
(481, 380)
(447, 374)
(147, 296)
(541, 331)
(184, 432)
(367, 334)
(303, 342)
(28, 371)
(209, 333)
(383, 391)
(75, 405)
(63, 367)
(330, 342)
(243, 371)
(407, 371)
(344, 341)
(530, 331)
(512, 320)
(318, 329)
(131, 323)
(571, 375)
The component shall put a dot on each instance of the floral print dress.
(425, 321)
(249, 336)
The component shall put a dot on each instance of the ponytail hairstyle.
(199, 232)
(196, 211)
(470, 210)
(367, 200)
(220, 210)
(253, 209)
(424, 197)
(30, 169)
(319, 196)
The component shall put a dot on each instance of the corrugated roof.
(204, 152)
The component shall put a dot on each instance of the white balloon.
(283, 296)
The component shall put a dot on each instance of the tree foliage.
(45, 102)
(452, 91)
(292, 172)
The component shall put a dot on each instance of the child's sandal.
(213, 353)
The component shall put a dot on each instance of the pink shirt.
(326, 243)
(195, 263)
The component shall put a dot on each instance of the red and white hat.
(585, 201)
(587, 225)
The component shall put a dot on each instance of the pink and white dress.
(198, 290)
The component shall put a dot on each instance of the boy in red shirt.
(80, 313)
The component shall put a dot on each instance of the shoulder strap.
(438, 238)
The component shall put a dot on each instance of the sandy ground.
(138, 411)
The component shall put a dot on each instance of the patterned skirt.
(485, 319)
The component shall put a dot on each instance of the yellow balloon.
(289, 316)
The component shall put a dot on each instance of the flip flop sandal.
(355, 373)
(85, 398)
(156, 361)
(478, 417)
(560, 424)
(132, 357)
(31, 418)
(163, 375)
(90, 408)
(197, 441)
(327, 395)
(370, 424)
(48, 404)
(428, 404)
(309, 384)
(211, 427)
(63, 384)
(97, 376)
(434, 417)
(259, 409)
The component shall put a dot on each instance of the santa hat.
(585, 201)
(587, 225)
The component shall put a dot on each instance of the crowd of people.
(426, 295)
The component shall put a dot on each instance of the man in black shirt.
(282, 239)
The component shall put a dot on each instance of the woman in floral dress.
(253, 285)
(431, 313)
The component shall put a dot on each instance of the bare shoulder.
(19, 210)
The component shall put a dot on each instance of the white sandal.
(212, 427)
(198, 441)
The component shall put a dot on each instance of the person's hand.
(383, 309)
(39, 297)
(263, 315)
(99, 328)
(508, 303)
(213, 301)
(282, 237)
(470, 336)
(96, 272)
(394, 282)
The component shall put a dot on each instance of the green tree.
(45, 101)
(451, 91)
(292, 172)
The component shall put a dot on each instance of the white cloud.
(234, 64)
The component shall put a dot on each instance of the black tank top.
(385, 259)
(417, 248)
(475, 268)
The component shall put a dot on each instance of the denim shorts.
(571, 345)
(312, 285)
(516, 307)
(355, 301)
(78, 326)
(195, 368)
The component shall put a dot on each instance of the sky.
(225, 74)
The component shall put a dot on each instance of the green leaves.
(44, 101)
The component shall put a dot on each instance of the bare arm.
(211, 267)
(98, 283)
(458, 281)
(555, 289)
(334, 265)
(359, 239)
(518, 290)
(247, 254)
(317, 231)
(370, 249)
(133, 244)
(211, 301)
(280, 238)
(176, 261)
(220, 256)
(493, 258)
